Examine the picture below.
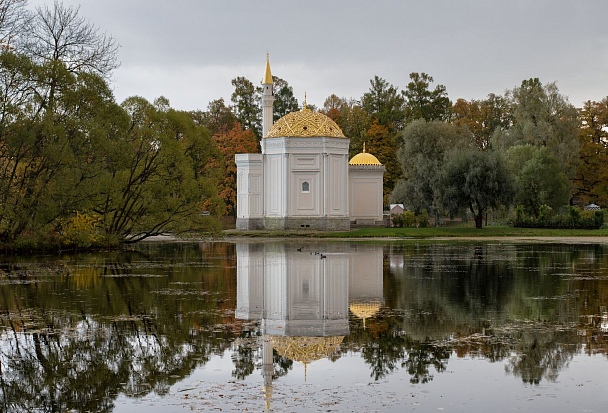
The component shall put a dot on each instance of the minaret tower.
(267, 100)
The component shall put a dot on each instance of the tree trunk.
(478, 220)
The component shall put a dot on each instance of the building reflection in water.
(301, 295)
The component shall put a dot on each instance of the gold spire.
(267, 74)
(304, 105)
(363, 147)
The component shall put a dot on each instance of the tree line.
(528, 151)
(79, 169)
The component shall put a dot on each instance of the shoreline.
(308, 237)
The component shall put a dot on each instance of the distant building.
(303, 179)
(396, 209)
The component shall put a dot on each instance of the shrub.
(422, 220)
(397, 220)
(570, 218)
(80, 231)
(409, 218)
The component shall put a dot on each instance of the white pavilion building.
(303, 178)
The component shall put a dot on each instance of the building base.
(249, 223)
(308, 223)
(366, 222)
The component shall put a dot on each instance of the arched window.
(305, 187)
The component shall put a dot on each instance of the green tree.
(477, 181)
(218, 118)
(542, 117)
(384, 102)
(246, 101)
(423, 103)
(540, 178)
(284, 100)
(155, 184)
(423, 147)
(354, 122)
(66, 146)
(48, 158)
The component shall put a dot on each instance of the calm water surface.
(307, 326)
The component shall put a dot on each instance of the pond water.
(307, 326)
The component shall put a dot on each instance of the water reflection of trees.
(515, 303)
(76, 333)
(73, 338)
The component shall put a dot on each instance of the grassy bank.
(432, 232)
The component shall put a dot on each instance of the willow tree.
(477, 181)
(542, 117)
(423, 150)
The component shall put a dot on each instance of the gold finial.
(304, 106)
(363, 147)
(267, 74)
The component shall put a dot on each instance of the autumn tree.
(354, 122)
(380, 143)
(234, 141)
(423, 103)
(54, 102)
(591, 180)
(482, 117)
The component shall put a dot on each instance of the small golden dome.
(305, 349)
(305, 123)
(365, 309)
(364, 158)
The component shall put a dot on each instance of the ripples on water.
(306, 327)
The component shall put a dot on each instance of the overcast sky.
(190, 50)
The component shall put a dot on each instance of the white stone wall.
(250, 189)
(306, 182)
(366, 192)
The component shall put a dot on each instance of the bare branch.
(59, 34)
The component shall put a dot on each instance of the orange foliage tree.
(231, 142)
(591, 180)
(380, 142)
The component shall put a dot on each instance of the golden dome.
(305, 349)
(305, 123)
(364, 158)
(365, 309)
